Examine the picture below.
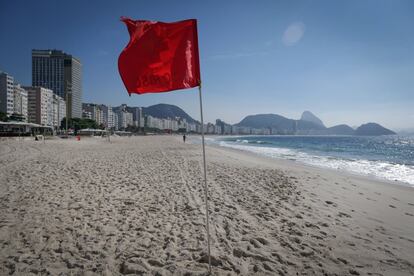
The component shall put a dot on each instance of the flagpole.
(205, 178)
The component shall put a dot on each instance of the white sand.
(135, 206)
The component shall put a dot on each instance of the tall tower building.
(62, 73)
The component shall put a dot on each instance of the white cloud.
(293, 34)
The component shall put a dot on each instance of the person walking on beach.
(184, 138)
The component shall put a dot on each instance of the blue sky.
(346, 61)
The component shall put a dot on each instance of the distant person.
(184, 138)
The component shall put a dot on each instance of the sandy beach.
(136, 206)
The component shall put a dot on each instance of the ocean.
(385, 157)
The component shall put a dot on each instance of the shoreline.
(306, 165)
(303, 165)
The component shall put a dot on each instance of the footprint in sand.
(342, 260)
(342, 214)
(392, 206)
(331, 203)
(353, 272)
(324, 224)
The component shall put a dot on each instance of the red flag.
(160, 56)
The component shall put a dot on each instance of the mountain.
(283, 125)
(267, 121)
(373, 129)
(309, 124)
(340, 130)
(167, 111)
(303, 125)
(280, 124)
(310, 117)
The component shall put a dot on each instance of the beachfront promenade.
(135, 206)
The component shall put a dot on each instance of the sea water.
(386, 157)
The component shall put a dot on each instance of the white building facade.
(137, 115)
(152, 122)
(20, 101)
(6, 93)
(125, 119)
(109, 117)
(59, 110)
(40, 105)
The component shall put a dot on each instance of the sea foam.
(379, 169)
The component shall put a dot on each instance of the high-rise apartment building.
(116, 120)
(13, 97)
(59, 110)
(125, 119)
(137, 115)
(6, 93)
(40, 105)
(103, 115)
(152, 122)
(94, 112)
(109, 117)
(62, 73)
(20, 101)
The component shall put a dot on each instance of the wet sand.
(136, 206)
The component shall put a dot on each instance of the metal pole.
(67, 110)
(205, 179)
